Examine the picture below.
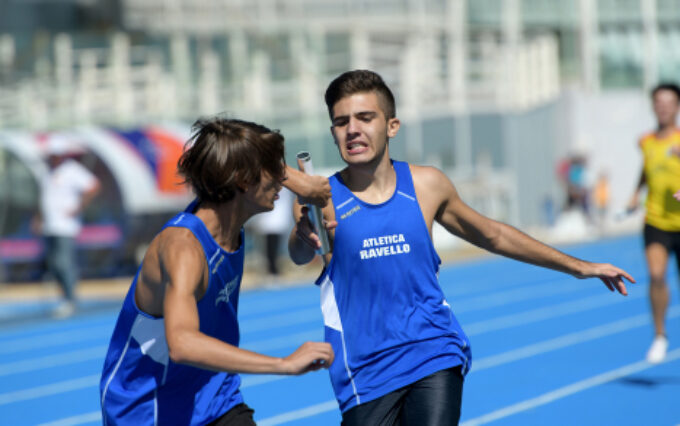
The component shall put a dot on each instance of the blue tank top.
(384, 312)
(140, 384)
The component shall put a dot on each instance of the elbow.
(300, 259)
(178, 352)
(298, 252)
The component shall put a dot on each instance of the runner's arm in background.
(634, 202)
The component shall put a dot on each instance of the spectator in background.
(66, 189)
(601, 195)
(661, 174)
(273, 226)
(577, 188)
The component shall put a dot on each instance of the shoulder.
(433, 187)
(646, 138)
(77, 171)
(175, 244)
(74, 166)
(428, 176)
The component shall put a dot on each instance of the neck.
(376, 181)
(666, 129)
(224, 222)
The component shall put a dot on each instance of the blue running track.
(548, 349)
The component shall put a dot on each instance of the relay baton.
(304, 160)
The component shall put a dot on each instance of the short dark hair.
(224, 154)
(673, 87)
(360, 81)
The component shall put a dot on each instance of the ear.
(393, 125)
(242, 187)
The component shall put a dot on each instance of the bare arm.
(634, 202)
(311, 189)
(461, 220)
(183, 268)
(88, 195)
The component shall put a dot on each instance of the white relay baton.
(304, 160)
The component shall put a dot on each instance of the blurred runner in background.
(661, 174)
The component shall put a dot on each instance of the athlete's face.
(360, 128)
(261, 196)
(666, 107)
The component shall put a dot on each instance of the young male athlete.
(661, 174)
(174, 357)
(400, 353)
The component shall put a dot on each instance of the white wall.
(607, 127)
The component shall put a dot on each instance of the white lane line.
(285, 341)
(306, 315)
(567, 340)
(565, 391)
(316, 334)
(310, 411)
(301, 317)
(484, 363)
(248, 380)
(96, 416)
(559, 342)
(281, 320)
(99, 352)
(546, 398)
(510, 356)
(93, 381)
(51, 389)
(92, 417)
(32, 364)
(544, 313)
(55, 339)
(501, 298)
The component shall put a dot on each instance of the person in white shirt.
(66, 189)
(273, 227)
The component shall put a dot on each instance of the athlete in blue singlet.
(174, 356)
(401, 354)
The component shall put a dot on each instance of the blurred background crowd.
(532, 107)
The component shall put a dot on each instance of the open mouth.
(354, 148)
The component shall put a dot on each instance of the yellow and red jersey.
(662, 174)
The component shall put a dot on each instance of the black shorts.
(432, 401)
(239, 415)
(669, 239)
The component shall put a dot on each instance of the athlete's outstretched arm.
(311, 189)
(497, 237)
(183, 268)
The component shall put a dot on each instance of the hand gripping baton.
(304, 160)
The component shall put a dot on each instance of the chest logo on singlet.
(350, 212)
(386, 245)
(223, 295)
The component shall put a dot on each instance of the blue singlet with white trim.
(140, 384)
(384, 312)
